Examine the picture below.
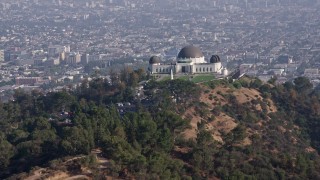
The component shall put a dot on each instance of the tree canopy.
(143, 138)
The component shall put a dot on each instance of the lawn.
(184, 78)
(195, 79)
(198, 78)
(202, 78)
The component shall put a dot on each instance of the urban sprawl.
(50, 45)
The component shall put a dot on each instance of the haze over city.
(51, 44)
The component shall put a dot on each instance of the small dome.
(154, 60)
(215, 59)
(190, 52)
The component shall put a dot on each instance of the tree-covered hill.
(224, 129)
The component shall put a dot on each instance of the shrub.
(211, 118)
(216, 110)
(237, 85)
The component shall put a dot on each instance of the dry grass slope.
(222, 123)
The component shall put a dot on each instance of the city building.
(73, 58)
(27, 80)
(56, 50)
(1, 55)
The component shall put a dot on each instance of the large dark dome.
(190, 52)
(154, 60)
(215, 59)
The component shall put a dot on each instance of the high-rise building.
(52, 62)
(84, 59)
(1, 55)
(62, 56)
(11, 54)
(67, 48)
(73, 58)
(56, 50)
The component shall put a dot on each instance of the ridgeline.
(221, 129)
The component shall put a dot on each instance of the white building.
(54, 50)
(73, 58)
(1, 55)
(190, 60)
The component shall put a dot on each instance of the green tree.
(6, 152)
(302, 84)
(75, 141)
(133, 79)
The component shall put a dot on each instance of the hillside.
(214, 99)
(178, 130)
